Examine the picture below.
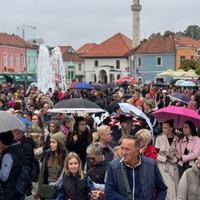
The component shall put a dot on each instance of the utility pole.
(22, 29)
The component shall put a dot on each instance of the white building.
(107, 61)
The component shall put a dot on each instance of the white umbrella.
(128, 108)
(168, 72)
(191, 74)
(9, 122)
(76, 110)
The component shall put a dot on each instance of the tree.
(168, 33)
(198, 70)
(193, 31)
(153, 35)
(191, 64)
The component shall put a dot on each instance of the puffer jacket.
(189, 185)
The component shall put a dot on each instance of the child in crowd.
(75, 184)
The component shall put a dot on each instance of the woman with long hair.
(167, 158)
(79, 139)
(188, 147)
(75, 184)
(52, 165)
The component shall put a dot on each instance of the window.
(35, 61)
(182, 58)
(79, 67)
(96, 63)
(117, 64)
(11, 60)
(159, 61)
(29, 60)
(17, 60)
(139, 62)
(70, 75)
(23, 60)
(5, 59)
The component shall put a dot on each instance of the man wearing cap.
(9, 165)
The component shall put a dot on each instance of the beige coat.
(167, 164)
(189, 186)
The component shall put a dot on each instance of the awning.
(2, 78)
(20, 77)
(9, 77)
(31, 78)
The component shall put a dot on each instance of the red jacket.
(151, 152)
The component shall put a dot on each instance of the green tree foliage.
(153, 35)
(193, 31)
(191, 64)
(168, 33)
(197, 70)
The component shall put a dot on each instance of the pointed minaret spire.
(136, 8)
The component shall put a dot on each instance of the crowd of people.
(71, 156)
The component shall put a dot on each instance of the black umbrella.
(110, 86)
(97, 86)
(76, 105)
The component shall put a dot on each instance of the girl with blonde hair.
(75, 184)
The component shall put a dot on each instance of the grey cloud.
(65, 22)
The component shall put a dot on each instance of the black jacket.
(75, 188)
(9, 186)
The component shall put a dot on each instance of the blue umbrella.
(180, 97)
(24, 120)
(82, 86)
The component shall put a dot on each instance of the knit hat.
(7, 138)
(59, 137)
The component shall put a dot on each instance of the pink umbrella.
(178, 114)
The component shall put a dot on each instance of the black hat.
(7, 138)
(125, 118)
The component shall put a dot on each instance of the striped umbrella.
(9, 122)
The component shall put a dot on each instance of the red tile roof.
(63, 49)
(85, 48)
(68, 55)
(13, 40)
(156, 45)
(116, 46)
(186, 41)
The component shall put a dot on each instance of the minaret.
(136, 8)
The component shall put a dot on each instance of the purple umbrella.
(180, 97)
(178, 114)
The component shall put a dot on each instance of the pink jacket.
(193, 147)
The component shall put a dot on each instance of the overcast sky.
(75, 22)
